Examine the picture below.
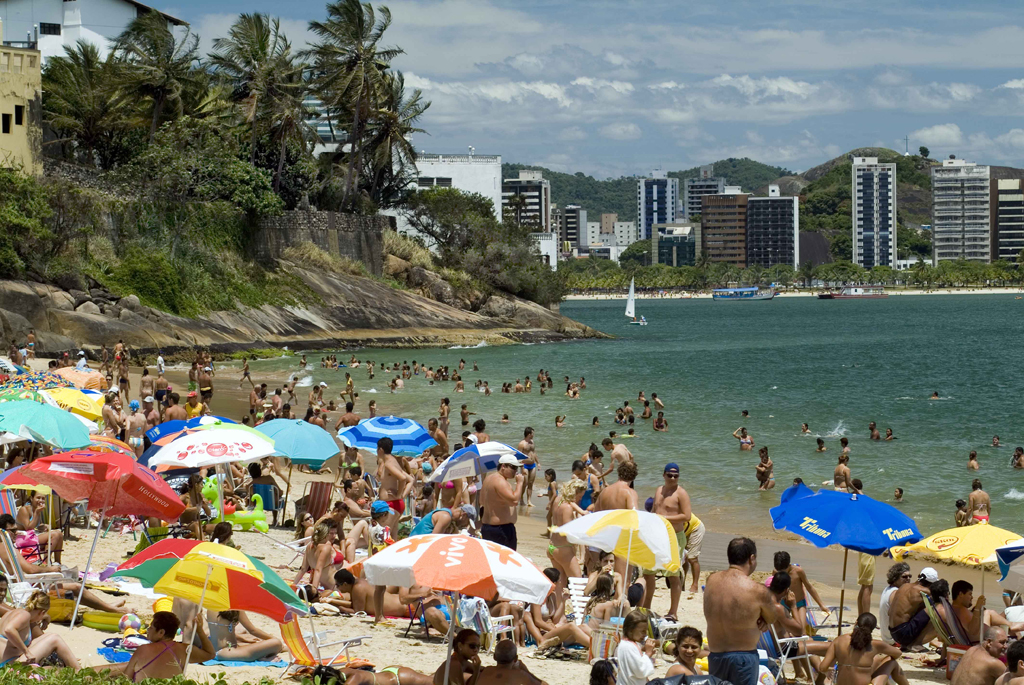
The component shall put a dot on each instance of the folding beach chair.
(296, 546)
(474, 613)
(269, 495)
(307, 651)
(577, 599)
(22, 584)
(778, 650)
(317, 496)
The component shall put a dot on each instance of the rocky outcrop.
(344, 311)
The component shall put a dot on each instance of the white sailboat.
(631, 307)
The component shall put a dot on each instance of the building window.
(16, 64)
(444, 183)
(19, 115)
(46, 29)
(424, 182)
(5, 124)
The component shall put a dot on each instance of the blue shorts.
(739, 668)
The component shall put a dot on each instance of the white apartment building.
(536, 193)
(874, 213)
(49, 25)
(960, 212)
(623, 234)
(547, 245)
(657, 201)
(706, 183)
(469, 173)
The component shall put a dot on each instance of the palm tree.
(289, 120)
(806, 272)
(154, 65)
(391, 155)
(255, 61)
(78, 100)
(349, 65)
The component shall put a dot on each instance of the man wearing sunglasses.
(499, 499)
(672, 502)
(897, 576)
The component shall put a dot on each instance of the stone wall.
(343, 235)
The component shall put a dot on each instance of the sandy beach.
(704, 295)
(387, 644)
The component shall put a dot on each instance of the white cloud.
(621, 131)
(755, 138)
(572, 133)
(765, 87)
(615, 59)
(892, 77)
(211, 26)
(1015, 84)
(940, 135)
(666, 85)
(596, 84)
(502, 91)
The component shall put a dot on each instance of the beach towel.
(114, 656)
(276, 663)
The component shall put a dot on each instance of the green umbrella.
(15, 395)
(43, 423)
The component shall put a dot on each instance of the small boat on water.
(859, 292)
(752, 293)
(631, 307)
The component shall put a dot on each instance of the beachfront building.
(547, 246)
(572, 227)
(724, 226)
(694, 189)
(961, 223)
(657, 199)
(529, 198)
(50, 25)
(21, 109)
(470, 173)
(874, 213)
(674, 244)
(1007, 215)
(773, 229)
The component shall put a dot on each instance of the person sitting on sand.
(164, 658)
(33, 545)
(25, 642)
(319, 555)
(465, 663)
(508, 669)
(249, 644)
(859, 659)
(688, 646)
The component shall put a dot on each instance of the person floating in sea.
(821, 446)
(935, 396)
(888, 435)
(897, 495)
(805, 429)
(972, 461)
(995, 441)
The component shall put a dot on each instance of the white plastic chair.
(577, 599)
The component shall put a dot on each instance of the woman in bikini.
(31, 543)
(26, 642)
(863, 660)
(304, 526)
(251, 645)
(319, 555)
(746, 442)
(443, 411)
(147, 385)
(163, 657)
(562, 552)
(465, 666)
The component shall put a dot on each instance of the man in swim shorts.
(909, 624)
(673, 503)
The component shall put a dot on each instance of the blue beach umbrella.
(855, 522)
(42, 423)
(410, 438)
(473, 461)
(167, 427)
(300, 441)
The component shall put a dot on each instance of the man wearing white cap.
(908, 621)
(498, 500)
(151, 412)
(83, 363)
(206, 384)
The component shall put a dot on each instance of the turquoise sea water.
(834, 364)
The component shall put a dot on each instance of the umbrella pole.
(842, 592)
(287, 491)
(626, 577)
(199, 617)
(92, 550)
(981, 628)
(451, 638)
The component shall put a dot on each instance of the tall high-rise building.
(608, 222)
(694, 189)
(874, 213)
(573, 226)
(1007, 233)
(960, 212)
(535, 207)
(657, 200)
(723, 226)
(773, 230)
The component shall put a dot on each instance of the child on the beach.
(551, 493)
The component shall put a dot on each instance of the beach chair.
(271, 501)
(474, 613)
(25, 582)
(777, 649)
(577, 599)
(317, 498)
(307, 651)
(296, 546)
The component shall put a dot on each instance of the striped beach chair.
(8, 505)
(307, 651)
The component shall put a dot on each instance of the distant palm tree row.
(105, 111)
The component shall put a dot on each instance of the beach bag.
(604, 640)
(473, 613)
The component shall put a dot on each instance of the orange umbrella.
(102, 443)
(94, 380)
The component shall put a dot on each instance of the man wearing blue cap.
(135, 428)
(672, 502)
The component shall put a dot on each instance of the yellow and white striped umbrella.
(644, 539)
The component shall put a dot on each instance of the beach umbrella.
(214, 446)
(10, 368)
(113, 484)
(643, 539)
(103, 443)
(89, 405)
(856, 522)
(19, 394)
(474, 460)
(410, 438)
(966, 545)
(459, 564)
(1010, 558)
(36, 381)
(94, 380)
(215, 576)
(43, 423)
(168, 430)
(302, 442)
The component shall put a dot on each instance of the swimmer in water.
(889, 435)
(897, 495)
(934, 396)
(746, 442)
(504, 418)
(874, 431)
(972, 461)
(744, 414)
(821, 446)
(805, 429)
(595, 422)
(961, 517)
(845, 443)
(765, 471)
(560, 421)
(995, 441)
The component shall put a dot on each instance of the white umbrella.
(474, 460)
(459, 564)
(641, 538)
(223, 445)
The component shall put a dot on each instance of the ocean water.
(835, 364)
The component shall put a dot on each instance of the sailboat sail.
(630, 306)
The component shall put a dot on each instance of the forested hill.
(618, 195)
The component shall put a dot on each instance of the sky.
(621, 87)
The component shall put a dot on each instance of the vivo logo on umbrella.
(454, 552)
(812, 527)
(897, 535)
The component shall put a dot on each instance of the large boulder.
(15, 326)
(88, 308)
(58, 299)
(396, 267)
(79, 296)
(131, 302)
(96, 329)
(441, 291)
(23, 298)
(418, 276)
(499, 307)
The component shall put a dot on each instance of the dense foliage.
(746, 173)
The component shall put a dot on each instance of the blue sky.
(614, 88)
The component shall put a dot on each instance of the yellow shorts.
(865, 569)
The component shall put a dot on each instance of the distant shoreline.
(705, 295)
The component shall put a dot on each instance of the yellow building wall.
(21, 110)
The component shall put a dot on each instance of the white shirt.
(83, 364)
(635, 667)
(883, 613)
(160, 363)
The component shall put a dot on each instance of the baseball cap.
(929, 574)
(149, 398)
(81, 353)
(671, 467)
(470, 511)
(322, 384)
(649, 504)
(507, 459)
(380, 507)
(427, 468)
(473, 439)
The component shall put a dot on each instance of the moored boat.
(752, 293)
(858, 292)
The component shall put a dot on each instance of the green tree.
(155, 67)
(637, 254)
(923, 151)
(349, 65)
(24, 212)
(392, 157)
(806, 273)
(448, 218)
